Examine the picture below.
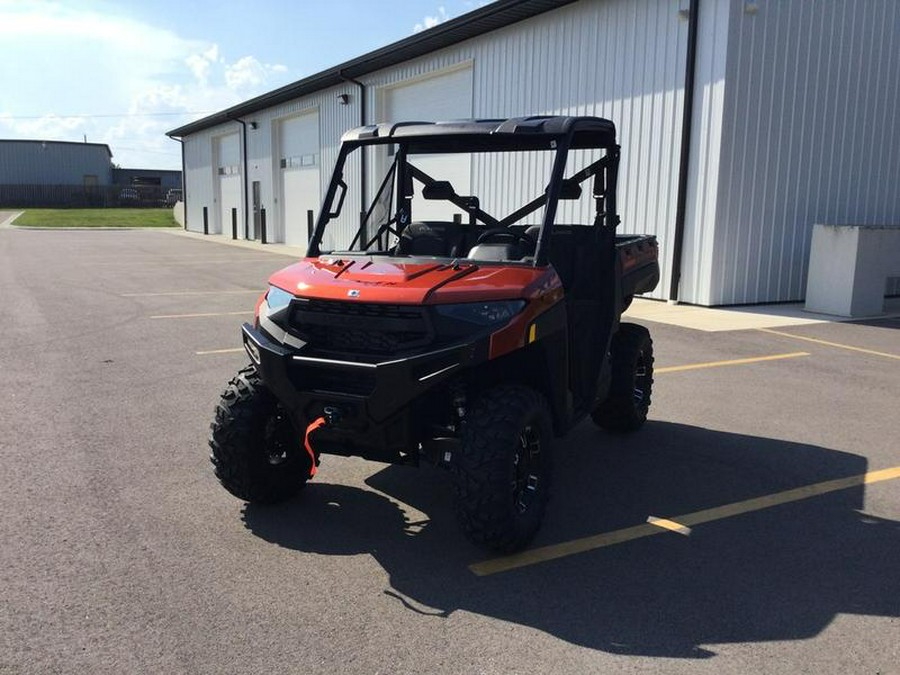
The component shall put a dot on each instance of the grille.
(328, 381)
(360, 328)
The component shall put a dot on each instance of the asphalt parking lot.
(771, 459)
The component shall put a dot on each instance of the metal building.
(164, 179)
(64, 173)
(54, 163)
(53, 172)
(742, 123)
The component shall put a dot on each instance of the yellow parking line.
(192, 316)
(220, 351)
(829, 344)
(732, 362)
(670, 525)
(555, 551)
(154, 295)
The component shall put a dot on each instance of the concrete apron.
(713, 319)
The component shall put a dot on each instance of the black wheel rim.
(526, 465)
(641, 379)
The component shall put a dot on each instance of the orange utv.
(473, 319)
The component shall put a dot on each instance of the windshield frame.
(402, 173)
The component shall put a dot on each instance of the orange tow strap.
(316, 424)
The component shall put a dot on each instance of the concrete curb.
(112, 228)
(7, 222)
(280, 249)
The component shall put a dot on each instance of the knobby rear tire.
(625, 408)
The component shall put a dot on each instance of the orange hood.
(411, 283)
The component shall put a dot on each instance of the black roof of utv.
(514, 133)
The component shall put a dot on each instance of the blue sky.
(125, 72)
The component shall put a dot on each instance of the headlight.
(482, 313)
(278, 299)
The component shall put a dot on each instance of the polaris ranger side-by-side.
(463, 325)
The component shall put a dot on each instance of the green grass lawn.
(97, 218)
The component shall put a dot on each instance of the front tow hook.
(331, 415)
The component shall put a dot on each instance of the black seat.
(422, 238)
(436, 238)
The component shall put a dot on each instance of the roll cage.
(393, 199)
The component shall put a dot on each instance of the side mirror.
(439, 189)
(570, 190)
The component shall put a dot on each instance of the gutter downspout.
(183, 180)
(363, 174)
(246, 191)
(684, 160)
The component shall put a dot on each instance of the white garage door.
(438, 98)
(229, 187)
(299, 162)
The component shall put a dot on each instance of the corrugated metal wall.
(811, 128)
(53, 163)
(262, 152)
(706, 137)
(199, 172)
(262, 166)
(620, 59)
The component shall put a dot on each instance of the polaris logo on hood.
(353, 293)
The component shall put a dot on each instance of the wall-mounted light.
(343, 99)
(254, 125)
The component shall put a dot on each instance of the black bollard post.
(262, 225)
(234, 223)
(205, 220)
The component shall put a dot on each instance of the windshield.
(482, 205)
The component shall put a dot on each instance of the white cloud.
(201, 64)
(65, 68)
(248, 72)
(432, 21)
(46, 127)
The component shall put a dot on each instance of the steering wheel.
(506, 233)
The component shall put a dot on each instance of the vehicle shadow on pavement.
(877, 322)
(782, 573)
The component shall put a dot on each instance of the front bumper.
(380, 404)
